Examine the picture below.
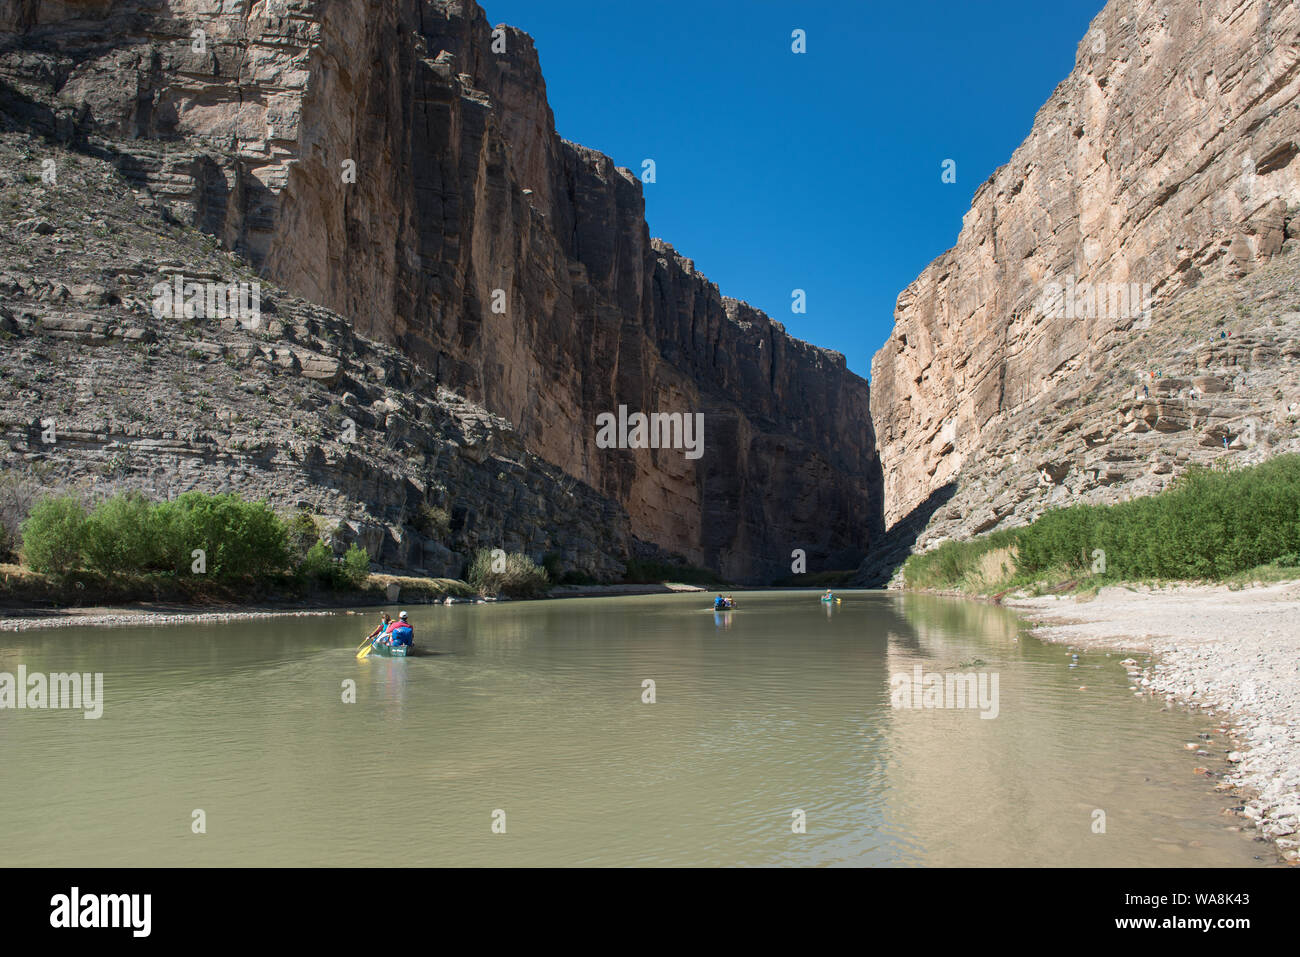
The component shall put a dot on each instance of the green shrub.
(240, 539)
(302, 533)
(127, 534)
(953, 564)
(318, 564)
(432, 521)
(320, 567)
(54, 536)
(515, 574)
(356, 566)
(1209, 524)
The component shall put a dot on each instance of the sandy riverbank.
(1234, 654)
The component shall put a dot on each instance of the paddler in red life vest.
(400, 632)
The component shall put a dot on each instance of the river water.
(532, 718)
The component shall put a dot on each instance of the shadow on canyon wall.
(879, 567)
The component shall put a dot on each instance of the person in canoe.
(719, 603)
(731, 602)
(829, 596)
(400, 632)
(385, 622)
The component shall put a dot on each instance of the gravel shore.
(1232, 654)
(133, 617)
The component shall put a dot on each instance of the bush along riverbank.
(1166, 575)
(201, 549)
(1214, 525)
(198, 548)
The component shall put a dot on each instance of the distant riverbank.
(140, 616)
(175, 613)
(1233, 653)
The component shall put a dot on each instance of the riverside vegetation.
(218, 541)
(221, 546)
(201, 545)
(1211, 524)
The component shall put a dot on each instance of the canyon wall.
(102, 392)
(398, 163)
(1167, 158)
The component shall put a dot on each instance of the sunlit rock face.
(398, 163)
(1165, 161)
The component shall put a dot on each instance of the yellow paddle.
(367, 646)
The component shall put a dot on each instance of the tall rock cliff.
(398, 163)
(101, 394)
(1054, 352)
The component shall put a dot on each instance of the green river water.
(536, 709)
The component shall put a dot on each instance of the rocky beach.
(1231, 654)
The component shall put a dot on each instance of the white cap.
(402, 615)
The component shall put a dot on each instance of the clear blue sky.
(818, 171)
